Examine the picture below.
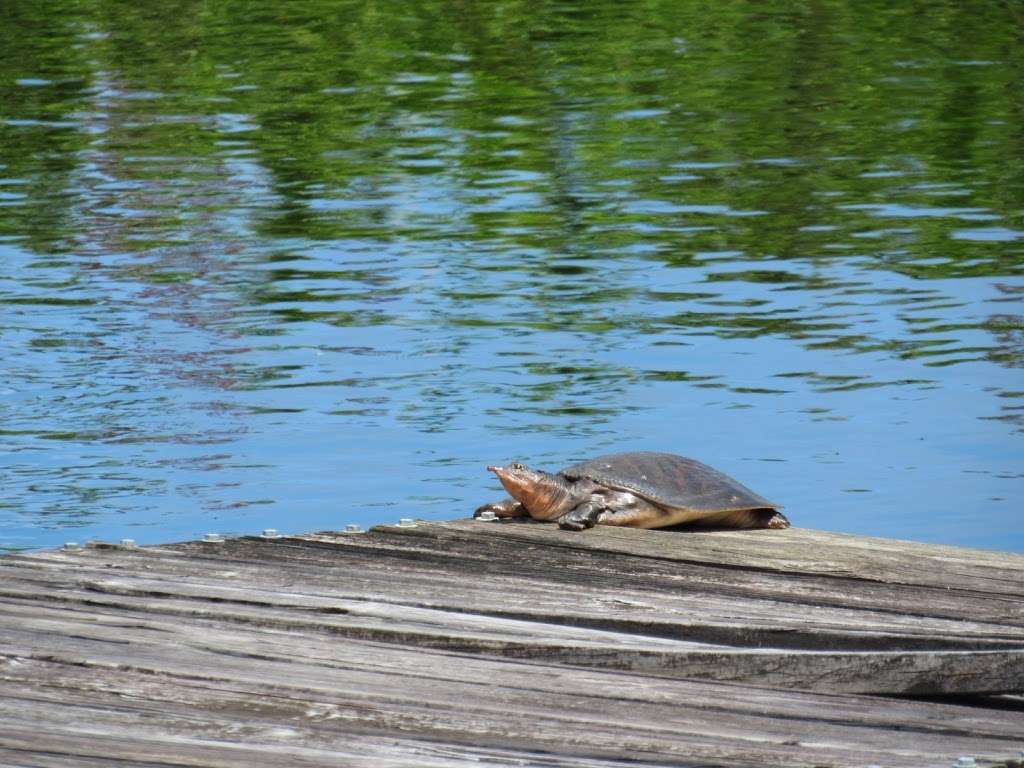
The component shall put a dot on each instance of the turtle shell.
(669, 481)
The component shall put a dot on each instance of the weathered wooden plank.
(526, 707)
(614, 595)
(464, 642)
(144, 741)
(923, 673)
(380, 623)
(676, 646)
(576, 568)
(716, 619)
(794, 550)
(573, 568)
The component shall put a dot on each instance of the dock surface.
(513, 643)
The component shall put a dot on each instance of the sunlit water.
(319, 265)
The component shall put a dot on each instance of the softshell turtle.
(643, 490)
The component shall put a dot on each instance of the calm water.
(304, 264)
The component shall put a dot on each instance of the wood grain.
(494, 643)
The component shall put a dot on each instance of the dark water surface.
(302, 264)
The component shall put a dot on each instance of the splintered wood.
(513, 643)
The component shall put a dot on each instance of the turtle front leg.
(506, 508)
(584, 515)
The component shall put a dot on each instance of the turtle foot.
(777, 520)
(506, 508)
(580, 518)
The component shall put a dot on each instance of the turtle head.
(544, 495)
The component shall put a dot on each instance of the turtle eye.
(516, 465)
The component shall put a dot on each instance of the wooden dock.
(513, 643)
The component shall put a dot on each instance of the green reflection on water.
(603, 119)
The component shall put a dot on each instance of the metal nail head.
(213, 538)
(487, 517)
